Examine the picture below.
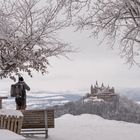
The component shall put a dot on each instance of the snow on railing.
(11, 120)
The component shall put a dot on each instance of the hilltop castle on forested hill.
(102, 92)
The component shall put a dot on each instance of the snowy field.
(92, 127)
(88, 127)
(42, 99)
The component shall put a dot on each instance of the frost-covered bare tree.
(117, 20)
(28, 30)
(28, 35)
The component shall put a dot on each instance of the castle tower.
(96, 84)
(91, 90)
(108, 87)
(102, 86)
(112, 90)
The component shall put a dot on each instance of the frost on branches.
(28, 35)
(117, 20)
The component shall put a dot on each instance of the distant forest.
(123, 109)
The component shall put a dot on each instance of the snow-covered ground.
(85, 127)
(92, 127)
(9, 135)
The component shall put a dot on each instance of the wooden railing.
(12, 123)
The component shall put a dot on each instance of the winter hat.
(21, 79)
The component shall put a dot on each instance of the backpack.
(17, 90)
(12, 91)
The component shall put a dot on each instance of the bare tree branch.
(28, 35)
(118, 20)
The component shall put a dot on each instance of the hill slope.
(92, 127)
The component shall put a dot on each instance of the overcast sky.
(92, 62)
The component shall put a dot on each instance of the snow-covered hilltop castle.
(102, 92)
(101, 89)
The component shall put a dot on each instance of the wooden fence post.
(12, 123)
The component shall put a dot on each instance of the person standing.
(20, 99)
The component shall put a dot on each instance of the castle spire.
(91, 90)
(102, 85)
(96, 83)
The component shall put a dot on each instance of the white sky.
(92, 62)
